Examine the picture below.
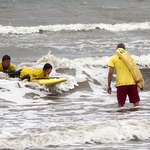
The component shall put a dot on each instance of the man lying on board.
(6, 66)
(32, 74)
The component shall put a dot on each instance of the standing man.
(6, 66)
(125, 83)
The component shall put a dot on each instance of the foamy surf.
(75, 27)
(78, 113)
(74, 134)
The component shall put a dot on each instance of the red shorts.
(128, 90)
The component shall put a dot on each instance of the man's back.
(124, 76)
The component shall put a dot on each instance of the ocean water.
(77, 37)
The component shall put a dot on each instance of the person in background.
(125, 82)
(32, 74)
(6, 66)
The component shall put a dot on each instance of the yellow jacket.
(11, 68)
(34, 74)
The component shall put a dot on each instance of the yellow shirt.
(124, 76)
(11, 68)
(34, 74)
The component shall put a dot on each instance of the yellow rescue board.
(129, 61)
(50, 81)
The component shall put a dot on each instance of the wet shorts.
(128, 90)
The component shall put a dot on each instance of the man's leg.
(136, 104)
(133, 95)
(121, 95)
(120, 105)
(15, 74)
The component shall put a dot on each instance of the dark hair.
(6, 57)
(121, 45)
(47, 66)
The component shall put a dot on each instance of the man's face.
(47, 72)
(6, 64)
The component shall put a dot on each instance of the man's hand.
(141, 89)
(109, 90)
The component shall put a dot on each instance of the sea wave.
(85, 72)
(74, 27)
(89, 74)
(113, 132)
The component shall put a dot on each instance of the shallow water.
(78, 39)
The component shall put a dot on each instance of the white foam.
(91, 70)
(32, 121)
(75, 27)
(14, 91)
(111, 132)
(142, 60)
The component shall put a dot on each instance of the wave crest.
(74, 27)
